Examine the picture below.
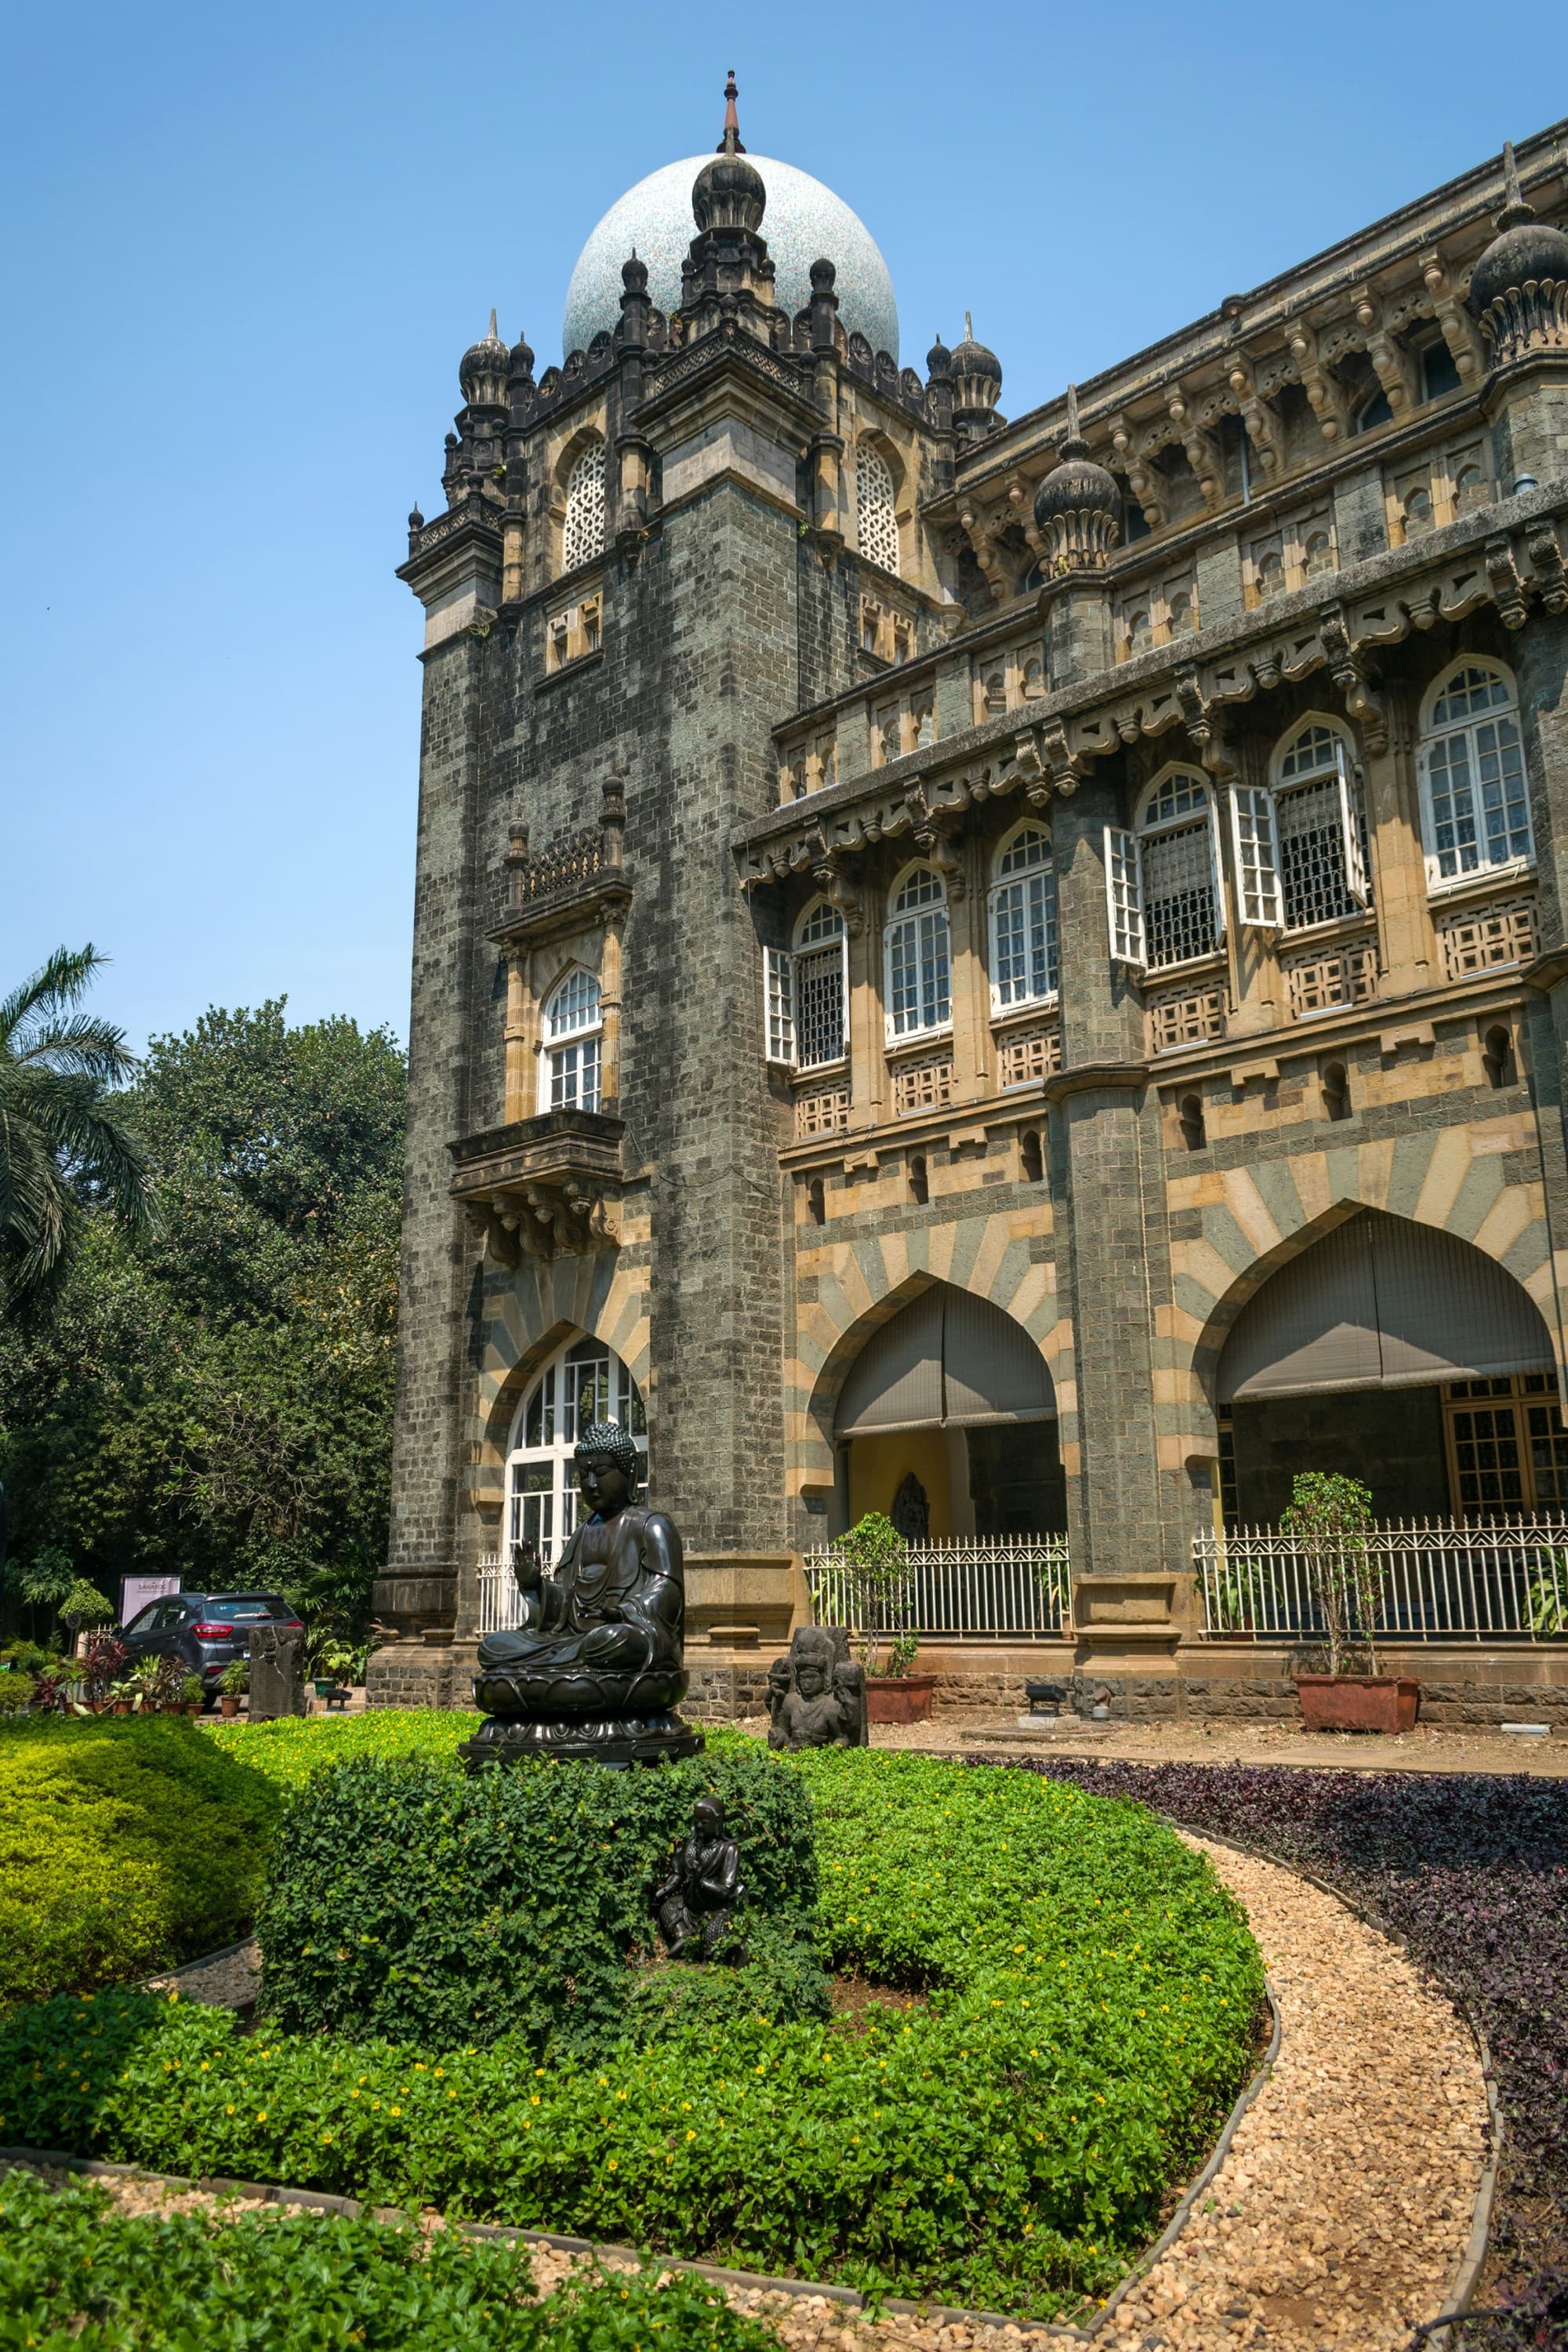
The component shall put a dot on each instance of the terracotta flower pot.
(1358, 1702)
(898, 1698)
(121, 1707)
(229, 1702)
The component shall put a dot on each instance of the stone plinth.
(277, 1671)
(743, 1601)
(1132, 1624)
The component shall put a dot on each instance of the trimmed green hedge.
(99, 2280)
(292, 1750)
(124, 1842)
(409, 1903)
(1092, 2004)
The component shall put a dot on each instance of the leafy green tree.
(213, 1398)
(65, 1149)
(1330, 1518)
(875, 1558)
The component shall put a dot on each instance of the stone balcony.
(543, 1187)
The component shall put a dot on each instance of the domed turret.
(520, 359)
(483, 369)
(1519, 288)
(1078, 507)
(976, 381)
(728, 192)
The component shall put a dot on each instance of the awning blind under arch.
(1381, 1303)
(948, 1360)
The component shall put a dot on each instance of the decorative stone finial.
(731, 142)
(482, 370)
(976, 382)
(1519, 288)
(1078, 507)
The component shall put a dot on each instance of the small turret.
(1519, 288)
(1078, 507)
(976, 384)
(483, 370)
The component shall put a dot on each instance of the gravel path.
(1344, 2202)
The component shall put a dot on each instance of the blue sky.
(244, 248)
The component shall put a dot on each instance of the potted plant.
(122, 1698)
(1330, 1518)
(232, 1686)
(85, 1606)
(192, 1697)
(875, 1558)
(101, 1659)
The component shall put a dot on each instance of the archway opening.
(1399, 1355)
(582, 1382)
(947, 1421)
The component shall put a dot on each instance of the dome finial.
(731, 142)
(492, 337)
(1514, 207)
(968, 327)
(1073, 433)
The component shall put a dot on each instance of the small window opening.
(1336, 1091)
(920, 1182)
(1034, 1157)
(1194, 1134)
(815, 1201)
(1498, 1057)
(1439, 371)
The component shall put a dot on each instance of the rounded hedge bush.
(410, 1902)
(124, 1843)
(1088, 2008)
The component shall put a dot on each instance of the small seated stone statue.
(595, 1667)
(816, 1696)
(701, 1891)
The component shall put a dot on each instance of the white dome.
(803, 223)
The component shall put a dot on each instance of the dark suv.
(206, 1630)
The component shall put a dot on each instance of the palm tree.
(63, 1149)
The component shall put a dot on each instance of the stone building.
(1010, 972)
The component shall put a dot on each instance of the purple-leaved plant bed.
(1469, 1872)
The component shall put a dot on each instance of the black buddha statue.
(696, 1901)
(595, 1670)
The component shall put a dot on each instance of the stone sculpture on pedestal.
(816, 1696)
(595, 1670)
(701, 1891)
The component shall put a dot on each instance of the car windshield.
(251, 1608)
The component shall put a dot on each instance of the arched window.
(874, 505)
(1179, 871)
(584, 537)
(1475, 809)
(584, 1384)
(1321, 827)
(820, 986)
(918, 956)
(1023, 921)
(569, 1065)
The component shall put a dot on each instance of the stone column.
(1408, 942)
(971, 979)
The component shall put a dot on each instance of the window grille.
(921, 1086)
(584, 537)
(819, 988)
(584, 1383)
(1487, 938)
(571, 1059)
(874, 504)
(1323, 982)
(1029, 1058)
(825, 1112)
(1176, 853)
(1321, 831)
(1473, 799)
(1024, 922)
(917, 957)
(1188, 1017)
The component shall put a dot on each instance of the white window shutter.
(1124, 896)
(1355, 863)
(1216, 869)
(778, 982)
(1255, 842)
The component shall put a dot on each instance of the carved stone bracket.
(1507, 584)
(1347, 669)
(1197, 716)
(542, 1188)
(1546, 561)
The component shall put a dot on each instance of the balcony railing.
(1436, 1581)
(1006, 1588)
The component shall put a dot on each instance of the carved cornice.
(1466, 566)
(1097, 1077)
(543, 1187)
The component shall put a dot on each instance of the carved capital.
(1546, 561)
(1507, 585)
(1349, 674)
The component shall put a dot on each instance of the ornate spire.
(1078, 507)
(1074, 446)
(731, 142)
(1514, 207)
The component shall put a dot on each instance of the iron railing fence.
(500, 1603)
(1005, 1588)
(1436, 1581)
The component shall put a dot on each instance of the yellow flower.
(261, 2115)
(614, 2165)
(691, 2135)
(228, 2110)
(396, 2111)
